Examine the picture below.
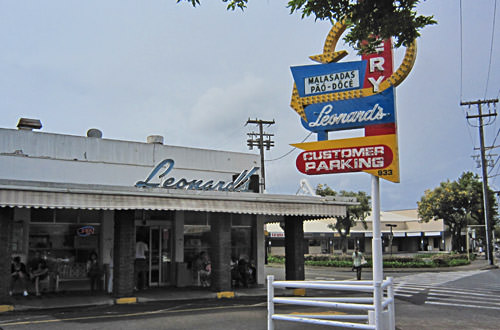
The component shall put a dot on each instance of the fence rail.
(367, 304)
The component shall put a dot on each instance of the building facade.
(409, 234)
(64, 197)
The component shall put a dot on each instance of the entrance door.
(160, 256)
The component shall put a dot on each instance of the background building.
(409, 233)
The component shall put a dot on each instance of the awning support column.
(294, 248)
(6, 221)
(124, 254)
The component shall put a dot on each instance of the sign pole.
(377, 253)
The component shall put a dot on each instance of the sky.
(196, 75)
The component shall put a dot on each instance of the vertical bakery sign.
(334, 96)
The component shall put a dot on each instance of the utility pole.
(486, 203)
(260, 140)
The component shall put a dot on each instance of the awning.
(16, 193)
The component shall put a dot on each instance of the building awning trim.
(75, 196)
(432, 233)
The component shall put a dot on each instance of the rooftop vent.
(155, 139)
(29, 124)
(95, 133)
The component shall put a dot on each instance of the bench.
(70, 272)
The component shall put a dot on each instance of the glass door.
(165, 256)
(160, 256)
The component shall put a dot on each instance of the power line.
(491, 48)
(289, 152)
(461, 52)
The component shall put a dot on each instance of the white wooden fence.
(357, 305)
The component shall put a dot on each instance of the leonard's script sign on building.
(335, 96)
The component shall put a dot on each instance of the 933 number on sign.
(384, 172)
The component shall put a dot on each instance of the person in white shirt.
(140, 269)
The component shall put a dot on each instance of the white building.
(67, 196)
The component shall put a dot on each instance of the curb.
(225, 294)
(6, 308)
(126, 300)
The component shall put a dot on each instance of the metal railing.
(365, 320)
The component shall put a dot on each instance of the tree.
(353, 212)
(458, 203)
(370, 20)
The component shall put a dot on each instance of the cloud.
(222, 111)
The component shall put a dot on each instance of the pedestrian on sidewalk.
(357, 259)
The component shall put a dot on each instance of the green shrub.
(418, 261)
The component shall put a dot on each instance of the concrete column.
(124, 254)
(6, 223)
(179, 236)
(294, 248)
(260, 247)
(220, 253)
(107, 236)
(107, 247)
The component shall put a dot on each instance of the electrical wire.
(461, 52)
(491, 48)
(289, 152)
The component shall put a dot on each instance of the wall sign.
(158, 179)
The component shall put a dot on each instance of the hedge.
(417, 261)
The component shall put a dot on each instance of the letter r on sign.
(377, 63)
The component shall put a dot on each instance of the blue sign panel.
(351, 113)
(328, 78)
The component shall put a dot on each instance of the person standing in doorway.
(357, 258)
(94, 272)
(140, 268)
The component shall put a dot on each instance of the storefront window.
(18, 237)
(196, 235)
(65, 238)
(241, 243)
(64, 242)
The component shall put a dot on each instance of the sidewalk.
(73, 299)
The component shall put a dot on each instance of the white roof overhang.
(29, 194)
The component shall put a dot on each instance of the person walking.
(357, 258)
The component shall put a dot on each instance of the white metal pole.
(377, 253)
(270, 302)
(392, 307)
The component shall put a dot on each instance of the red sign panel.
(379, 65)
(343, 160)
